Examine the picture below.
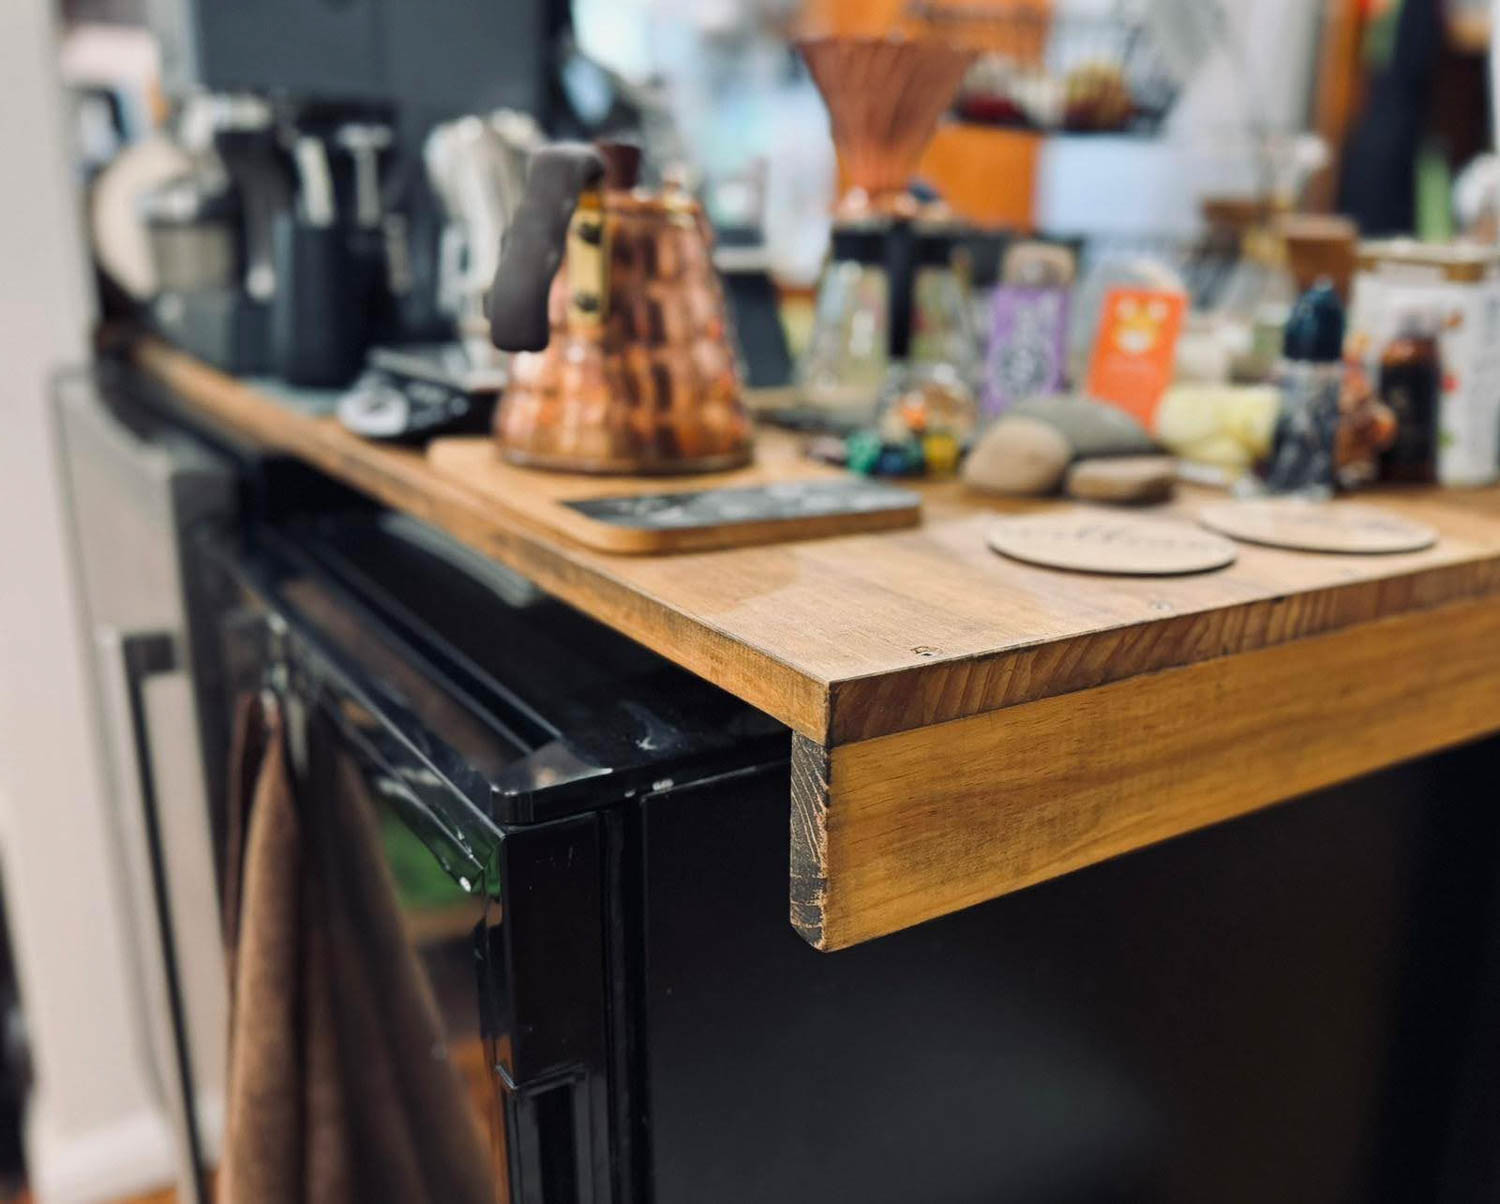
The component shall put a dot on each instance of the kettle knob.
(532, 247)
(622, 164)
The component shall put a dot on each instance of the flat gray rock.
(1127, 480)
(1090, 427)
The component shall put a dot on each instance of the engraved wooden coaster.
(1311, 526)
(1100, 541)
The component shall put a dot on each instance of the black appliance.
(329, 67)
(592, 848)
(431, 58)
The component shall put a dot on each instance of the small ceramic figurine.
(1311, 376)
(1367, 426)
(922, 429)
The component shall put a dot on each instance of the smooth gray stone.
(1090, 427)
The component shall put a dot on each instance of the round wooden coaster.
(1306, 526)
(1099, 541)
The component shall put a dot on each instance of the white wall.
(93, 1128)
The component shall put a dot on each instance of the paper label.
(1028, 346)
(1135, 352)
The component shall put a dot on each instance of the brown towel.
(340, 1089)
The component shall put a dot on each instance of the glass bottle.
(845, 365)
(1411, 382)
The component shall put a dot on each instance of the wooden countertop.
(967, 725)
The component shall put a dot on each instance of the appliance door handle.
(142, 656)
(548, 1128)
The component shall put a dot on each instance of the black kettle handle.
(535, 241)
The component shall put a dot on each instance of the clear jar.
(845, 364)
(944, 334)
(856, 355)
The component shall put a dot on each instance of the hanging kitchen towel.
(410, 1115)
(252, 721)
(340, 1089)
(266, 1129)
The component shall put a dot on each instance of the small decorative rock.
(1090, 427)
(1132, 480)
(1018, 456)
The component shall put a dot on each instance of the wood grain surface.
(1046, 788)
(971, 724)
(858, 636)
(543, 496)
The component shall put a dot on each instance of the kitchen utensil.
(892, 310)
(844, 366)
(884, 98)
(893, 302)
(191, 229)
(243, 134)
(194, 231)
(318, 315)
(365, 142)
(624, 360)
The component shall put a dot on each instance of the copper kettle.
(608, 296)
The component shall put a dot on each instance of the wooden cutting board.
(781, 496)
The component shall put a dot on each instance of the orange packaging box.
(1135, 351)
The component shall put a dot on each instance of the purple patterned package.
(1028, 345)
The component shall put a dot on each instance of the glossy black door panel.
(1266, 1010)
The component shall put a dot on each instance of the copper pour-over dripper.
(884, 98)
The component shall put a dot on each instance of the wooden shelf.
(966, 725)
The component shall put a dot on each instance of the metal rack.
(1057, 72)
